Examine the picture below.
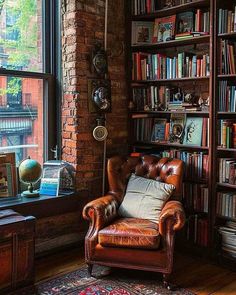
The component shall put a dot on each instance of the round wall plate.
(100, 133)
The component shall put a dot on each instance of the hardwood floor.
(199, 276)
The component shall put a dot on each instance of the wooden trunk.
(16, 250)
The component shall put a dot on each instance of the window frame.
(51, 76)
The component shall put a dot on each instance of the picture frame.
(142, 32)
(8, 178)
(164, 29)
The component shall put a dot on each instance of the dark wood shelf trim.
(225, 77)
(225, 217)
(190, 79)
(231, 35)
(176, 145)
(226, 185)
(226, 113)
(220, 149)
(172, 10)
(172, 43)
(194, 113)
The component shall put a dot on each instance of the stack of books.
(148, 66)
(195, 197)
(228, 52)
(144, 6)
(227, 170)
(227, 97)
(228, 235)
(197, 230)
(196, 164)
(226, 205)
(227, 21)
(227, 134)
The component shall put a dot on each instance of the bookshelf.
(147, 86)
(225, 81)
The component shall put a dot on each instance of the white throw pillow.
(145, 198)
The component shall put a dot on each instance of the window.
(28, 75)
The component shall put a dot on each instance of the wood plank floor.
(199, 276)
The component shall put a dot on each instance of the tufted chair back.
(163, 169)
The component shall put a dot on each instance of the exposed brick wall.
(83, 26)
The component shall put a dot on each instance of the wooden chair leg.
(166, 282)
(90, 269)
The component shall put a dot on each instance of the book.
(159, 130)
(164, 29)
(193, 131)
(142, 32)
(177, 126)
(185, 23)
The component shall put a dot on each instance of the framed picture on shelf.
(164, 29)
(177, 126)
(142, 32)
(193, 131)
(8, 182)
(184, 23)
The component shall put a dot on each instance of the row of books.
(228, 241)
(196, 164)
(195, 197)
(144, 6)
(164, 98)
(228, 52)
(180, 130)
(197, 230)
(181, 26)
(227, 170)
(227, 97)
(227, 133)
(148, 66)
(150, 6)
(227, 20)
(226, 204)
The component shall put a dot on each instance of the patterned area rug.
(125, 282)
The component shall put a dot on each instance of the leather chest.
(16, 250)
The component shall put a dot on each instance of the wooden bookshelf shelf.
(227, 35)
(164, 81)
(226, 77)
(167, 113)
(221, 149)
(173, 145)
(226, 185)
(225, 217)
(172, 43)
(200, 181)
(226, 114)
(172, 10)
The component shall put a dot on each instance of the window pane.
(21, 35)
(21, 117)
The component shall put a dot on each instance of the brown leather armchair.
(131, 242)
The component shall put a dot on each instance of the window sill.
(45, 206)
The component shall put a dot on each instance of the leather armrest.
(101, 211)
(172, 217)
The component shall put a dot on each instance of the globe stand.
(30, 193)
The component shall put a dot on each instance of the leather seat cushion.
(130, 233)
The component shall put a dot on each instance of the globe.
(30, 172)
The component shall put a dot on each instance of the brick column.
(82, 27)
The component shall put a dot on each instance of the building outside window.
(27, 75)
